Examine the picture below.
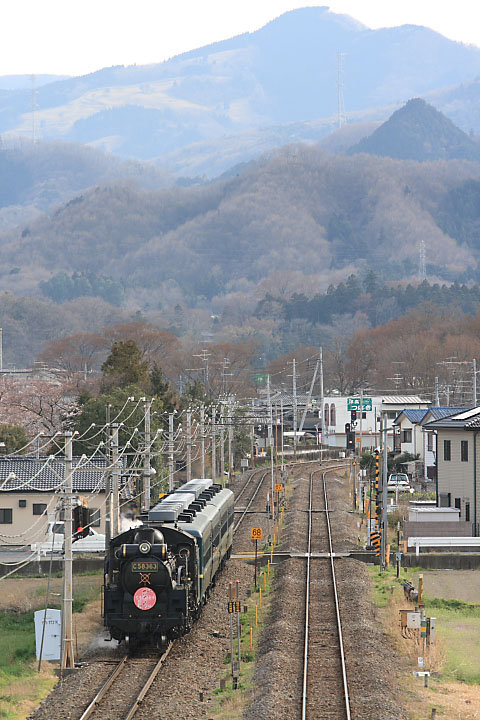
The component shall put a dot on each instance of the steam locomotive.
(159, 575)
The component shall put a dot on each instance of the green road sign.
(354, 403)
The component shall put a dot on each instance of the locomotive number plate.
(144, 566)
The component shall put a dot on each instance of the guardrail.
(449, 542)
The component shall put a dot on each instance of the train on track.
(158, 576)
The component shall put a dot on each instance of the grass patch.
(229, 702)
(456, 652)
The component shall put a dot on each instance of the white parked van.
(55, 540)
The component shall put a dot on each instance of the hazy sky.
(79, 36)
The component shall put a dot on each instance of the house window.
(464, 450)
(6, 516)
(447, 450)
(467, 512)
(430, 442)
(327, 416)
(95, 517)
(39, 508)
(407, 436)
(22, 503)
(458, 504)
(333, 419)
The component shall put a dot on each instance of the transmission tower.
(422, 265)
(34, 106)
(342, 117)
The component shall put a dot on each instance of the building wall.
(27, 528)
(455, 477)
(436, 529)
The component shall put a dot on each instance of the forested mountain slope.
(419, 132)
(36, 176)
(302, 211)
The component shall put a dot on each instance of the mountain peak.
(417, 131)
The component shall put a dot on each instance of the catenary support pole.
(202, 437)
(214, 448)
(146, 494)
(67, 653)
(115, 482)
(189, 445)
(170, 452)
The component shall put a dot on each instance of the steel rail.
(337, 605)
(148, 683)
(324, 471)
(307, 603)
(98, 697)
(113, 676)
(257, 490)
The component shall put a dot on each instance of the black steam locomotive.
(158, 575)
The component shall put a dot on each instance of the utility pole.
(189, 445)
(361, 424)
(222, 444)
(322, 396)
(230, 442)
(214, 449)
(270, 442)
(309, 398)
(108, 483)
(474, 382)
(294, 376)
(252, 433)
(437, 399)
(281, 429)
(384, 497)
(202, 436)
(170, 452)
(115, 482)
(146, 459)
(68, 660)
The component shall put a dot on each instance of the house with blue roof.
(412, 437)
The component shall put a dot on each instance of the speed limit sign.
(257, 533)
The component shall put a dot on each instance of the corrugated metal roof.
(404, 400)
(27, 474)
(438, 413)
(415, 416)
(467, 420)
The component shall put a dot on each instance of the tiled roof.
(27, 474)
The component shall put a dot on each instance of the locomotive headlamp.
(145, 547)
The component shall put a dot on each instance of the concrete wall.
(436, 529)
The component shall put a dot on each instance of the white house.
(338, 414)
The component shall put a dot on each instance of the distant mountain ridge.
(419, 132)
(281, 74)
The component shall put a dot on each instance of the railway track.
(325, 691)
(125, 688)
